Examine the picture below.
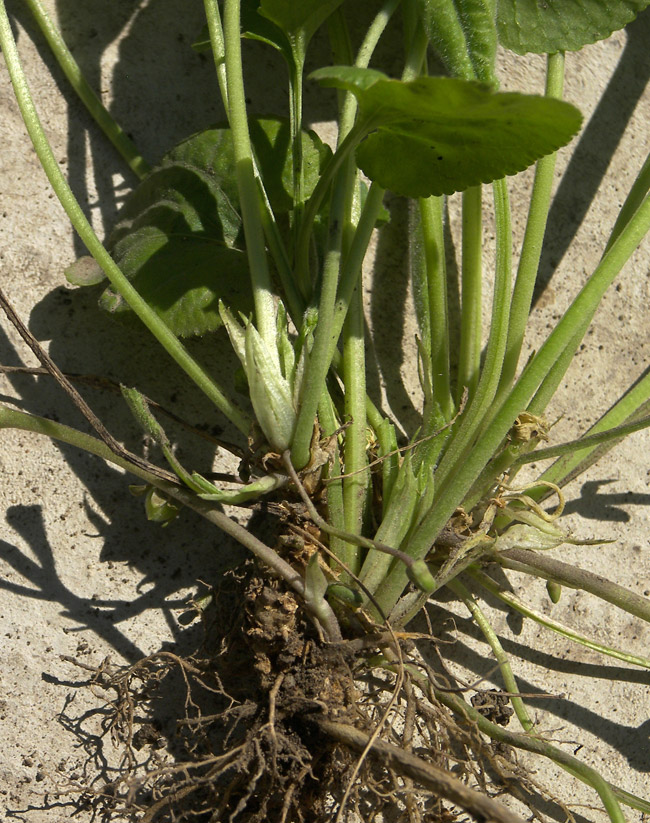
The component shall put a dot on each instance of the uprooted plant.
(257, 226)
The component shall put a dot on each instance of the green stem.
(118, 137)
(471, 297)
(431, 211)
(588, 441)
(328, 174)
(267, 218)
(608, 794)
(295, 122)
(637, 193)
(565, 574)
(354, 377)
(14, 419)
(518, 605)
(479, 406)
(11, 418)
(218, 46)
(462, 441)
(294, 301)
(533, 238)
(152, 321)
(553, 378)
(245, 173)
(325, 337)
(396, 521)
(364, 55)
(625, 417)
(416, 49)
(580, 312)
(492, 638)
(352, 265)
(347, 552)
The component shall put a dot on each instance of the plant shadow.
(633, 742)
(598, 141)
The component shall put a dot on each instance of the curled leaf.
(158, 508)
(270, 392)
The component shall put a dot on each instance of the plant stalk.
(245, 172)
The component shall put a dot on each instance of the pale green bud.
(270, 392)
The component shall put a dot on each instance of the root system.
(265, 722)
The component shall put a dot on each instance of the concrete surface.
(82, 573)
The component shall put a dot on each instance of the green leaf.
(464, 34)
(299, 18)
(558, 25)
(439, 135)
(271, 140)
(179, 237)
(179, 240)
(256, 26)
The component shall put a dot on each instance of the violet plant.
(265, 231)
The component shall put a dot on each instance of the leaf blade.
(439, 135)
(545, 28)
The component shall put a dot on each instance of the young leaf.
(557, 25)
(85, 271)
(299, 19)
(464, 34)
(315, 583)
(439, 135)
(259, 27)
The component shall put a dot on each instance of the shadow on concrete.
(598, 141)
(633, 742)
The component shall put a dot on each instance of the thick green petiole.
(577, 316)
(245, 171)
(433, 249)
(533, 238)
(471, 294)
(355, 486)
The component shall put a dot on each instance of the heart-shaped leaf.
(439, 135)
(557, 25)
(179, 237)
